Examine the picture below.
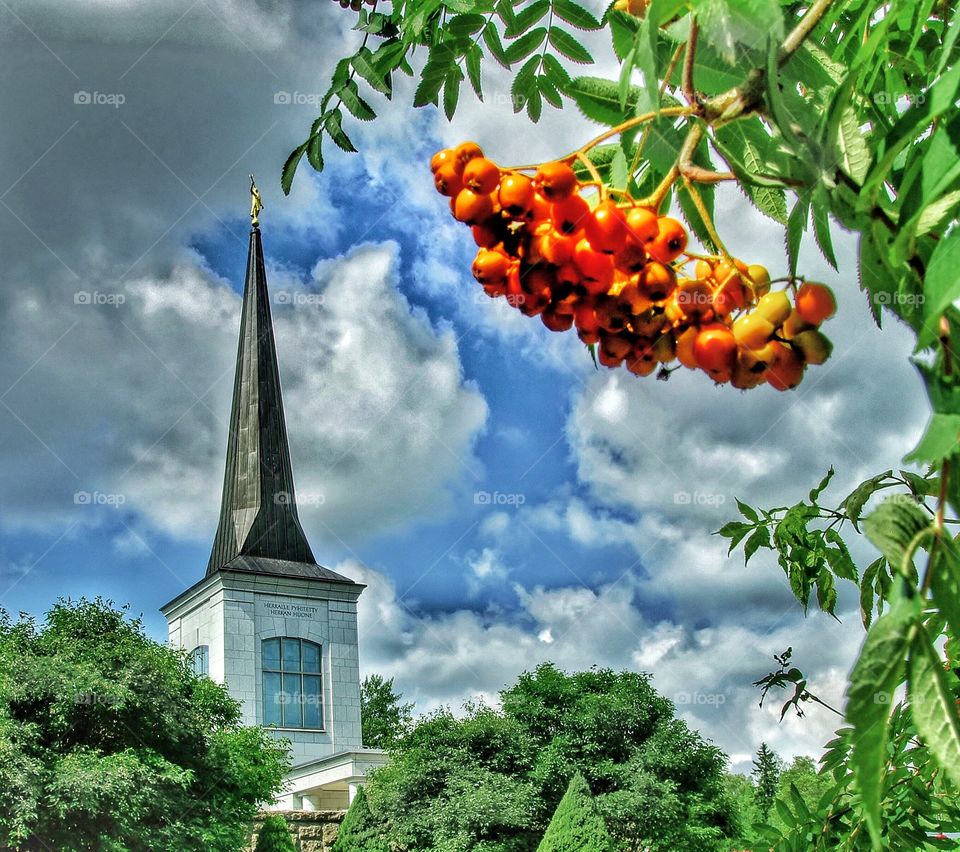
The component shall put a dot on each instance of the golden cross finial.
(256, 203)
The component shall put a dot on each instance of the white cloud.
(447, 658)
(372, 391)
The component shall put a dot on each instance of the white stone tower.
(266, 620)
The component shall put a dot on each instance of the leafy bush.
(577, 825)
(109, 741)
(359, 832)
(491, 781)
(275, 836)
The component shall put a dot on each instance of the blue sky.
(409, 395)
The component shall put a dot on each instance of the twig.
(688, 60)
(803, 28)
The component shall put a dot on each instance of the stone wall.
(313, 831)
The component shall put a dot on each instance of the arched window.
(200, 660)
(292, 694)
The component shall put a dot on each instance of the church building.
(279, 630)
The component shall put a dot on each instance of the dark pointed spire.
(258, 516)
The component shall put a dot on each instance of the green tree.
(800, 776)
(576, 825)
(275, 836)
(383, 715)
(492, 779)
(767, 767)
(109, 741)
(359, 831)
(743, 794)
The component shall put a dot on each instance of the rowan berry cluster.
(620, 274)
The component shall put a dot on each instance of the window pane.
(291, 655)
(197, 660)
(271, 654)
(311, 657)
(292, 701)
(312, 702)
(204, 660)
(271, 700)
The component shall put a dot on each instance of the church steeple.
(258, 515)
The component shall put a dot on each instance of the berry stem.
(590, 167)
(636, 121)
(663, 88)
(655, 199)
(705, 216)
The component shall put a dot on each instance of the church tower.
(266, 620)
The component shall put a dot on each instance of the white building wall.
(234, 613)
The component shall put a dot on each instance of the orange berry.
(555, 181)
(631, 258)
(536, 280)
(465, 152)
(685, 344)
(556, 321)
(715, 349)
(785, 370)
(490, 267)
(570, 214)
(516, 194)
(611, 313)
(728, 297)
(775, 307)
(815, 303)
(670, 241)
(484, 236)
(540, 211)
(606, 228)
(471, 207)
(633, 299)
(481, 175)
(588, 327)
(568, 274)
(703, 270)
(447, 180)
(657, 281)
(642, 224)
(613, 349)
(752, 330)
(441, 157)
(556, 248)
(759, 278)
(694, 298)
(596, 268)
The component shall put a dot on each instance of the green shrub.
(275, 836)
(359, 831)
(576, 825)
